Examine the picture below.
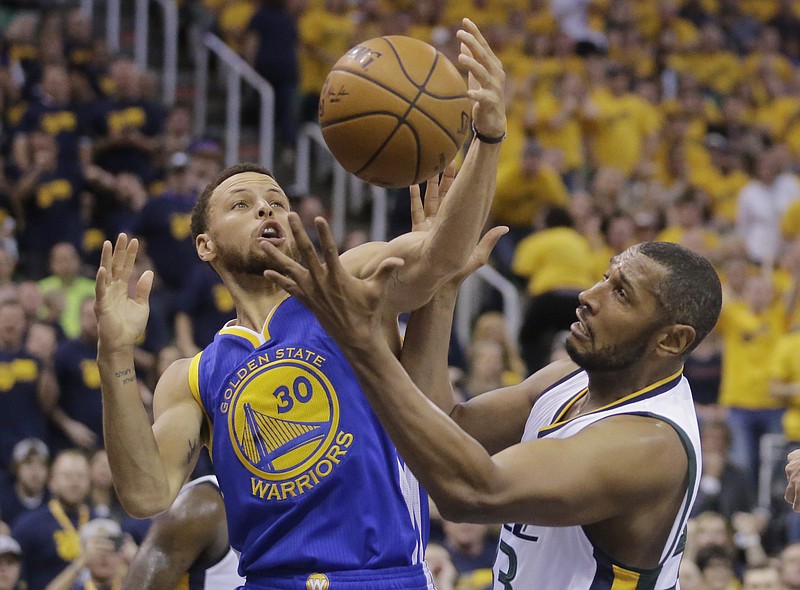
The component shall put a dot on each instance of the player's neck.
(606, 387)
(254, 299)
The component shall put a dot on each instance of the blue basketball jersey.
(312, 484)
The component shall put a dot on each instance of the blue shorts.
(415, 577)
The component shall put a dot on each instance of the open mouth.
(272, 231)
(579, 328)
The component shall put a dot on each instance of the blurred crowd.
(629, 120)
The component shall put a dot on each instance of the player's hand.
(422, 215)
(792, 469)
(487, 80)
(480, 255)
(121, 319)
(342, 303)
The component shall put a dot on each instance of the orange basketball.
(394, 111)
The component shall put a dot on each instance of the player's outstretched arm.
(148, 469)
(435, 255)
(554, 482)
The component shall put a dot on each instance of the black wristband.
(485, 138)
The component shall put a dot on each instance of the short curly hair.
(200, 210)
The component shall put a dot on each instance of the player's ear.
(205, 247)
(675, 339)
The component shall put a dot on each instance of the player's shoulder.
(549, 377)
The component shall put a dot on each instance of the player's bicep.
(509, 408)
(597, 474)
(178, 422)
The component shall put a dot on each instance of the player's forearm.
(453, 467)
(426, 345)
(133, 455)
(463, 213)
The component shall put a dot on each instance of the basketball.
(394, 111)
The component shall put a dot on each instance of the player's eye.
(239, 205)
(279, 204)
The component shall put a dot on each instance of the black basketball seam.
(402, 120)
(400, 96)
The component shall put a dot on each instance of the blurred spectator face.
(64, 260)
(127, 77)
(719, 575)
(620, 232)
(79, 26)
(22, 28)
(790, 566)
(102, 542)
(531, 158)
(55, 83)
(179, 121)
(12, 325)
(441, 565)
(710, 38)
(32, 475)
(88, 320)
(308, 208)
(759, 292)
(41, 341)
(7, 266)
(464, 535)
(101, 471)
(490, 325)
(486, 359)
(690, 576)
(51, 49)
(10, 565)
(30, 298)
(689, 213)
(762, 578)
(712, 529)
(716, 437)
(44, 150)
(69, 478)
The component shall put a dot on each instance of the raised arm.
(577, 480)
(431, 257)
(149, 464)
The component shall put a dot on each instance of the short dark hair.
(713, 553)
(200, 210)
(690, 292)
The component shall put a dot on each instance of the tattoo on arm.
(190, 454)
(127, 375)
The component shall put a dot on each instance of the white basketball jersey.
(534, 557)
(223, 575)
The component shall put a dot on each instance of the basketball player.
(593, 462)
(315, 493)
(187, 546)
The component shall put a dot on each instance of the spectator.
(271, 47)
(717, 566)
(441, 565)
(30, 466)
(78, 412)
(49, 535)
(69, 284)
(525, 187)
(204, 308)
(29, 391)
(10, 563)
(48, 195)
(762, 202)
(725, 488)
(764, 577)
(102, 560)
(471, 546)
(789, 565)
(557, 263)
(127, 132)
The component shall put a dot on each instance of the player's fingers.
(432, 197)
(489, 241)
(448, 176)
(330, 251)
(100, 283)
(478, 72)
(284, 282)
(105, 255)
(479, 46)
(130, 258)
(118, 255)
(143, 287)
(417, 211)
(304, 244)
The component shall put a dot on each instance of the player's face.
(246, 210)
(619, 316)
